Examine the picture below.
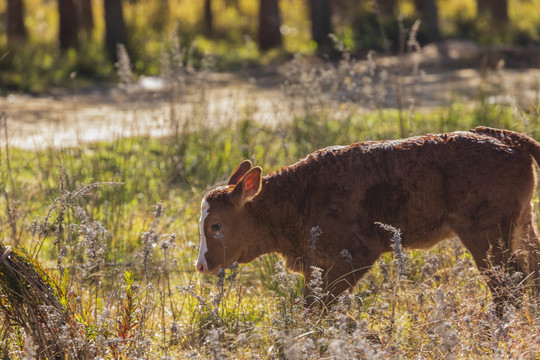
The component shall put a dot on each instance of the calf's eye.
(216, 227)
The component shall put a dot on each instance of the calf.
(326, 209)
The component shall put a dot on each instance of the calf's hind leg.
(493, 250)
(527, 247)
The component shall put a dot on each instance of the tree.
(269, 25)
(16, 31)
(115, 27)
(86, 16)
(160, 17)
(482, 7)
(386, 7)
(234, 4)
(68, 33)
(427, 10)
(321, 27)
(499, 11)
(496, 10)
(208, 17)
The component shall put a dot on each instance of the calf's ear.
(248, 187)
(239, 172)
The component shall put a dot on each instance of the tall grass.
(98, 242)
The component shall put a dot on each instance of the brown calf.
(324, 209)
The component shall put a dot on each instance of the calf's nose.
(201, 267)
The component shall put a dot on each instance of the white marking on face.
(203, 247)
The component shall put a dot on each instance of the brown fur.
(475, 185)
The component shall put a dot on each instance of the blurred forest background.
(47, 43)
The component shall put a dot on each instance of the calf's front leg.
(324, 286)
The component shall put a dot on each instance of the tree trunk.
(68, 33)
(499, 11)
(234, 4)
(320, 24)
(87, 16)
(115, 27)
(496, 10)
(427, 10)
(208, 17)
(269, 25)
(160, 18)
(482, 7)
(386, 7)
(16, 31)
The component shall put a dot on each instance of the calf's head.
(225, 226)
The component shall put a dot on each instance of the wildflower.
(316, 284)
(213, 343)
(168, 243)
(29, 351)
(346, 254)
(233, 273)
(157, 213)
(401, 258)
(34, 227)
(315, 233)
(221, 277)
(123, 67)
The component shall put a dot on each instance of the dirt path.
(72, 117)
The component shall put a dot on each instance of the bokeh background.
(45, 41)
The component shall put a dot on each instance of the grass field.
(112, 231)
